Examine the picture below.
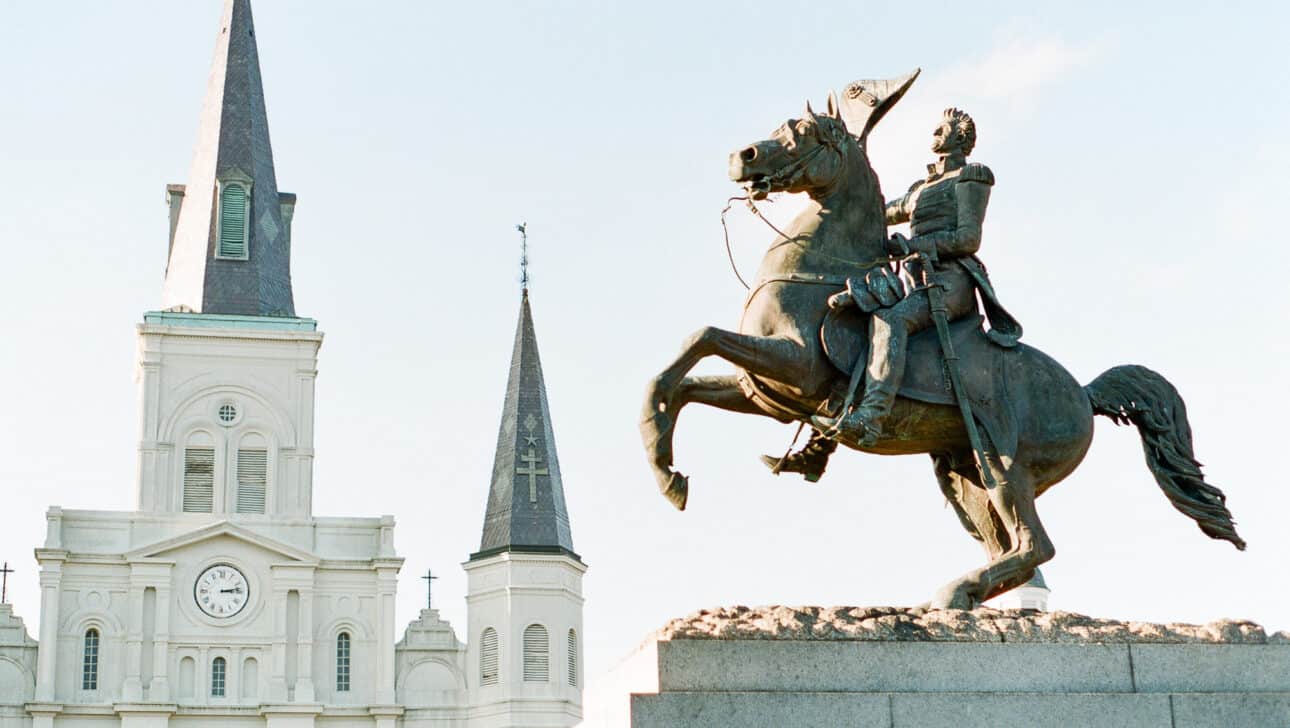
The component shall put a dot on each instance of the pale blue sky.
(1138, 217)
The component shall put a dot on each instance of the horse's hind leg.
(972, 506)
(1013, 502)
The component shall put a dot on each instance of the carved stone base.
(780, 666)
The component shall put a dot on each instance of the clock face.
(221, 591)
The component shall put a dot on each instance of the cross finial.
(524, 255)
(4, 583)
(429, 577)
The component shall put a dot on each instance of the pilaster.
(132, 688)
(387, 572)
(51, 575)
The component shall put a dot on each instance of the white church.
(222, 600)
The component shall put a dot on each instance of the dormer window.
(233, 229)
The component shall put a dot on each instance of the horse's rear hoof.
(677, 491)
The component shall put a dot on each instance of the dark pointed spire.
(231, 253)
(526, 508)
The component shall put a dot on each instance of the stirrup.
(852, 423)
(810, 467)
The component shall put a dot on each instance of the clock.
(221, 591)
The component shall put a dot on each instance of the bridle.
(785, 175)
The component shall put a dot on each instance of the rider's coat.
(945, 213)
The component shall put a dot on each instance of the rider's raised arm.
(972, 195)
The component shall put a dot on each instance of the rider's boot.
(810, 461)
(886, 369)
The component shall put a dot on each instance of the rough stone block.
(761, 710)
(1231, 710)
(1216, 668)
(851, 666)
(1028, 710)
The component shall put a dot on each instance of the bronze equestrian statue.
(836, 296)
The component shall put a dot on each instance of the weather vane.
(524, 254)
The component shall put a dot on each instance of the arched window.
(219, 676)
(488, 657)
(537, 654)
(573, 658)
(252, 473)
(342, 662)
(90, 661)
(199, 473)
(233, 207)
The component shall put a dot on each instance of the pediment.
(222, 529)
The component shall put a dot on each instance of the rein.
(786, 239)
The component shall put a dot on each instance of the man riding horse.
(945, 212)
(788, 367)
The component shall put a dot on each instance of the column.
(202, 677)
(132, 688)
(51, 577)
(305, 646)
(277, 686)
(150, 496)
(160, 690)
(386, 585)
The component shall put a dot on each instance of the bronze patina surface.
(836, 295)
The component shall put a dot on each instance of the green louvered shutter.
(232, 221)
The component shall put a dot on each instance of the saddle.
(845, 336)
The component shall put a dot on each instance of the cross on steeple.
(429, 577)
(4, 583)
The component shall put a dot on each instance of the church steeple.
(526, 508)
(230, 244)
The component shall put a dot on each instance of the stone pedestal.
(780, 667)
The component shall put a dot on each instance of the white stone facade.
(314, 643)
(511, 593)
(191, 366)
(221, 600)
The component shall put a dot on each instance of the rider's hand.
(898, 245)
(839, 301)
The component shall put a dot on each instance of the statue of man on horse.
(828, 311)
(945, 211)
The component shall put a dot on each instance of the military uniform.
(945, 213)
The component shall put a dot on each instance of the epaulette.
(977, 173)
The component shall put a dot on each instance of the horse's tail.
(1135, 394)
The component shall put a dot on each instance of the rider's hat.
(865, 102)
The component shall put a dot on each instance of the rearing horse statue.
(787, 370)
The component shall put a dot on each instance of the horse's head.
(802, 155)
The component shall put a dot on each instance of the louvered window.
(90, 661)
(252, 477)
(342, 662)
(573, 658)
(219, 673)
(199, 479)
(488, 657)
(232, 220)
(537, 656)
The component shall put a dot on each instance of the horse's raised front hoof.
(677, 491)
